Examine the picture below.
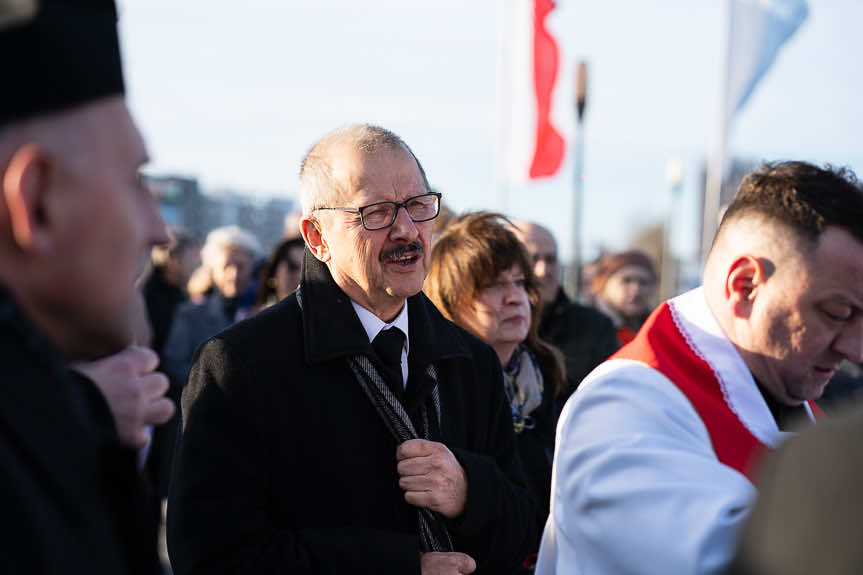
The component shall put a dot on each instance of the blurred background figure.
(585, 336)
(164, 286)
(623, 287)
(845, 389)
(281, 273)
(200, 285)
(292, 224)
(228, 256)
(444, 218)
(164, 289)
(481, 278)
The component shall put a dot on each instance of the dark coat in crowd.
(584, 335)
(193, 324)
(285, 466)
(162, 299)
(71, 497)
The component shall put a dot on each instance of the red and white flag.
(531, 146)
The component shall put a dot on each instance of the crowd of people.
(398, 388)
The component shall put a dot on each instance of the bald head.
(542, 247)
(322, 175)
(77, 224)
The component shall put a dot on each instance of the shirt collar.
(374, 325)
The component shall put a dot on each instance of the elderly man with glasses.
(350, 428)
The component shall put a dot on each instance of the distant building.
(183, 204)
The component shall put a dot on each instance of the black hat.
(57, 54)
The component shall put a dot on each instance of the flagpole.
(716, 162)
(580, 100)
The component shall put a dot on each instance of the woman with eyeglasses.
(481, 278)
(281, 273)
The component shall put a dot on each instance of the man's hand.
(446, 564)
(431, 477)
(134, 391)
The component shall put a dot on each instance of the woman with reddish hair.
(481, 278)
(623, 287)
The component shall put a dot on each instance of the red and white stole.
(682, 340)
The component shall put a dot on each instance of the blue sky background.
(235, 93)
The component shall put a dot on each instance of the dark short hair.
(804, 197)
(268, 272)
(470, 254)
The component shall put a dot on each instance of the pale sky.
(235, 93)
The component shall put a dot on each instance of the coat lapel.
(330, 324)
(332, 329)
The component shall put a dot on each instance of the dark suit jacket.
(286, 467)
(584, 334)
(71, 498)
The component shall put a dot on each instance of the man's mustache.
(397, 252)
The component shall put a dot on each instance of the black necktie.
(388, 344)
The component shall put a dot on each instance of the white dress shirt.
(374, 325)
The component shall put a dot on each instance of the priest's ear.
(744, 280)
(25, 186)
(313, 234)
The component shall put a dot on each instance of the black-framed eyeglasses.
(382, 215)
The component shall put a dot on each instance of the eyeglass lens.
(420, 208)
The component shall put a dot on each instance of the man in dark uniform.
(75, 229)
(584, 334)
(350, 428)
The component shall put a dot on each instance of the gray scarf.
(434, 535)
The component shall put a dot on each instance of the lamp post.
(674, 172)
(580, 101)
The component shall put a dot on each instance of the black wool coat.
(71, 497)
(286, 467)
(584, 335)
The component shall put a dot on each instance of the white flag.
(758, 30)
(530, 146)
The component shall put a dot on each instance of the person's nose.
(403, 227)
(849, 342)
(514, 293)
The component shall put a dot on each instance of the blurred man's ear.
(314, 237)
(25, 185)
(742, 282)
